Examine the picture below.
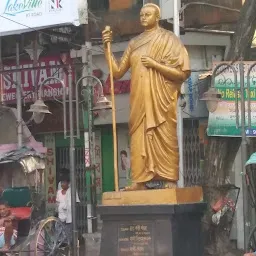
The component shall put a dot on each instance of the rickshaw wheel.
(52, 239)
(251, 246)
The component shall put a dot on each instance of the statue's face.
(148, 17)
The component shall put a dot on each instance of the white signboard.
(19, 16)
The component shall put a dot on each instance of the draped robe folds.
(153, 105)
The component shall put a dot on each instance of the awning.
(252, 159)
(29, 159)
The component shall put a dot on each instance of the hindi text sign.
(222, 122)
(136, 239)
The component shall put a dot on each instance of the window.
(151, 1)
(138, 3)
(115, 5)
(98, 4)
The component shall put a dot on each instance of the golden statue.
(159, 65)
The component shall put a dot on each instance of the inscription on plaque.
(136, 239)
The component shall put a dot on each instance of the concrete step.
(92, 244)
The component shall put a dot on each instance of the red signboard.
(120, 86)
(31, 78)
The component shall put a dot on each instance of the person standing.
(63, 174)
(8, 227)
(63, 200)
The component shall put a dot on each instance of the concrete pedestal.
(152, 230)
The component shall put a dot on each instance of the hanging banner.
(19, 16)
(120, 86)
(222, 122)
(50, 174)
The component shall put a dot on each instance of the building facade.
(60, 46)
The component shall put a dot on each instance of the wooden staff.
(109, 56)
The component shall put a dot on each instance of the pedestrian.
(8, 227)
(64, 210)
(63, 174)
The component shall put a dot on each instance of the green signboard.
(222, 122)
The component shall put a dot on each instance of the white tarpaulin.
(19, 16)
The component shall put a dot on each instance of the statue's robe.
(153, 105)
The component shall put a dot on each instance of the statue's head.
(150, 15)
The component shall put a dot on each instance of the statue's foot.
(161, 184)
(136, 186)
(170, 184)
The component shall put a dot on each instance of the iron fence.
(63, 161)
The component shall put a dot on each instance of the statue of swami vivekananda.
(159, 65)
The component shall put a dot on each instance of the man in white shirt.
(64, 173)
(64, 210)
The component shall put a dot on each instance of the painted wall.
(98, 164)
(201, 58)
(107, 159)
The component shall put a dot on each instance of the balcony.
(198, 16)
(123, 16)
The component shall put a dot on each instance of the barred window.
(96, 5)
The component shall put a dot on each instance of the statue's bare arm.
(121, 67)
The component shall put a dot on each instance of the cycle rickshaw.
(37, 235)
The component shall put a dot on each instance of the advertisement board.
(222, 122)
(31, 78)
(19, 16)
(50, 174)
(124, 161)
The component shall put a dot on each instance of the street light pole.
(18, 97)
(72, 146)
(87, 72)
(244, 157)
(176, 29)
(176, 18)
(72, 164)
(40, 108)
(242, 88)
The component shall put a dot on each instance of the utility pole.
(87, 70)
(244, 156)
(176, 30)
(87, 83)
(72, 163)
(18, 96)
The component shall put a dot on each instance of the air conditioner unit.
(166, 7)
